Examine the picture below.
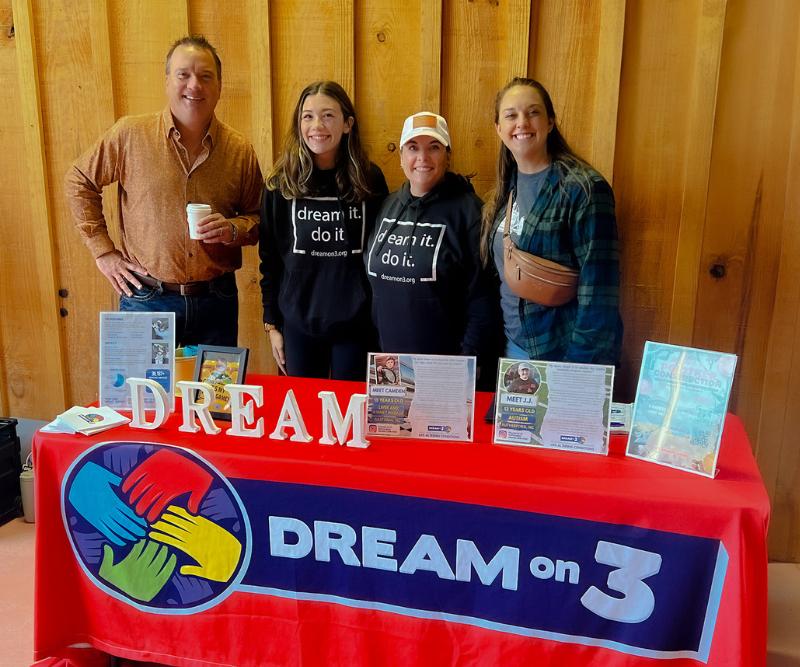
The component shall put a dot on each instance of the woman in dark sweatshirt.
(317, 212)
(429, 292)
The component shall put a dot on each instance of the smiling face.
(523, 125)
(193, 87)
(424, 161)
(322, 125)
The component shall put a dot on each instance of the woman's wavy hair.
(557, 148)
(291, 173)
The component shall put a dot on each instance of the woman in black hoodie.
(317, 211)
(429, 292)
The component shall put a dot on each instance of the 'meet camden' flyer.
(554, 405)
(421, 396)
(680, 407)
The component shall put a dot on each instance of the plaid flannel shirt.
(574, 224)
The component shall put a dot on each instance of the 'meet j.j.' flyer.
(554, 405)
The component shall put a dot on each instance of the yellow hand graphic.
(214, 549)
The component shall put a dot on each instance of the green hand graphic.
(214, 549)
(142, 573)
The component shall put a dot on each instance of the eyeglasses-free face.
(424, 161)
(523, 126)
(322, 126)
(192, 86)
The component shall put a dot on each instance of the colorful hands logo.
(155, 526)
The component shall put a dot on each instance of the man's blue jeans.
(211, 319)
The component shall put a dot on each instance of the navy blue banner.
(643, 592)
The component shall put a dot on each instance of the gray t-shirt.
(528, 187)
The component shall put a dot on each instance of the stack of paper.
(85, 420)
(621, 417)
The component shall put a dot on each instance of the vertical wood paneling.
(701, 109)
(4, 406)
(606, 83)
(777, 451)
(76, 83)
(564, 59)
(656, 140)
(140, 35)
(478, 42)
(38, 383)
(776, 433)
(100, 70)
(251, 332)
(242, 43)
(430, 54)
(308, 44)
(15, 202)
(746, 195)
(577, 53)
(258, 41)
(518, 36)
(102, 114)
(390, 42)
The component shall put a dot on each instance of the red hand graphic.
(161, 478)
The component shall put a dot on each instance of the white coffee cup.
(194, 214)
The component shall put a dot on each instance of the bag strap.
(507, 224)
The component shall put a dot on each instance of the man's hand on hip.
(118, 271)
(215, 228)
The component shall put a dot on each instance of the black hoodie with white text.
(430, 294)
(311, 251)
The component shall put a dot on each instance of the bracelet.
(234, 233)
(270, 327)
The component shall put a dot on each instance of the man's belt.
(199, 288)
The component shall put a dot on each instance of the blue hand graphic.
(191, 589)
(90, 546)
(217, 506)
(122, 458)
(93, 496)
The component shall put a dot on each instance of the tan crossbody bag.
(534, 278)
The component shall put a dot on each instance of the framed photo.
(220, 366)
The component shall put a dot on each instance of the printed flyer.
(430, 397)
(554, 405)
(140, 345)
(680, 407)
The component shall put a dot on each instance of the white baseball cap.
(425, 123)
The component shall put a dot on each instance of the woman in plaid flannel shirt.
(563, 210)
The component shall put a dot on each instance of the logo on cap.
(425, 123)
(424, 120)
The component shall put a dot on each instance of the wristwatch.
(234, 233)
(270, 327)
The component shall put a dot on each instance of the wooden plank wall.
(690, 107)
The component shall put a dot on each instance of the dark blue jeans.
(211, 319)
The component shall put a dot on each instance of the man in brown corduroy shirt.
(162, 162)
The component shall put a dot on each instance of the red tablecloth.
(257, 622)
